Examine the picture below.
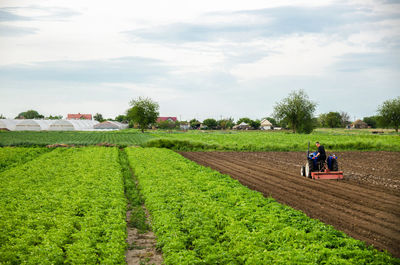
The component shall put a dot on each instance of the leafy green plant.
(27, 138)
(66, 206)
(13, 156)
(203, 217)
(335, 140)
(271, 141)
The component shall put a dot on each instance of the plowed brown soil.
(365, 205)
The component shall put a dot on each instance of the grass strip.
(132, 193)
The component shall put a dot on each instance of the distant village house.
(359, 124)
(79, 116)
(242, 126)
(184, 126)
(170, 119)
(266, 125)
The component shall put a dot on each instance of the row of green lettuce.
(203, 217)
(64, 207)
(213, 140)
(13, 156)
(43, 138)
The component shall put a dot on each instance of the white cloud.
(219, 57)
(308, 55)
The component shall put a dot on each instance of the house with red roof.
(79, 116)
(170, 119)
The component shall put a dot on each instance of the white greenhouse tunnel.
(53, 125)
(61, 125)
(111, 125)
(7, 124)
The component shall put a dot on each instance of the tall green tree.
(373, 121)
(226, 123)
(143, 111)
(30, 114)
(334, 119)
(390, 112)
(121, 118)
(98, 117)
(211, 124)
(55, 117)
(331, 120)
(194, 124)
(255, 124)
(322, 120)
(297, 110)
(344, 118)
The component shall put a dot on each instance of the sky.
(197, 59)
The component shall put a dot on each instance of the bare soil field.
(365, 205)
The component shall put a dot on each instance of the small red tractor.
(315, 169)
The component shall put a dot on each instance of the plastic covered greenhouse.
(83, 125)
(27, 125)
(48, 125)
(61, 125)
(44, 124)
(6, 124)
(111, 125)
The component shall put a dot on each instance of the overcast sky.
(200, 59)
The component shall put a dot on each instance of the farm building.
(184, 126)
(170, 119)
(203, 127)
(7, 125)
(242, 126)
(266, 125)
(61, 125)
(359, 124)
(79, 116)
(111, 125)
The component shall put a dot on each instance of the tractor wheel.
(309, 168)
(303, 171)
(335, 166)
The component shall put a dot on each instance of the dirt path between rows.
(366, 205)
(141, 246)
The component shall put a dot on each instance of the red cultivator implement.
(327, 174)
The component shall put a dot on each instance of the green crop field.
(28, 138)
(272, 141)
(203, 217)
(334, 140)
(68, 206)
(12, 156)
(64, 207)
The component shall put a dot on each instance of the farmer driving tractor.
(319, 166)
(321, 155)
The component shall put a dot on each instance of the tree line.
(295, 112)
